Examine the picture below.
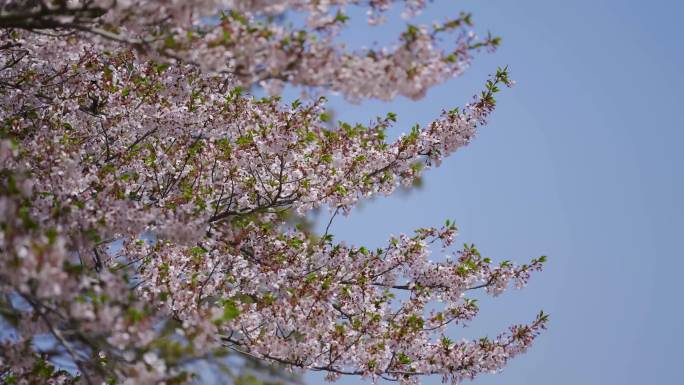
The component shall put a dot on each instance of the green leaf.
(341, 17)
(404, 359)
(230, 310)
(245, 140)
(197, 251)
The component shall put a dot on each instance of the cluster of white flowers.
(118, 130)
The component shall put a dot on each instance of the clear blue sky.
(582, 162)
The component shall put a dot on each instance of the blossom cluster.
(270, 54)
(144, 197)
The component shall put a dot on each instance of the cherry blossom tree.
(145, 195)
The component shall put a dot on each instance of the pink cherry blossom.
(145, 195)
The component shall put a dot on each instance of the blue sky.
(582, 162)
